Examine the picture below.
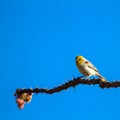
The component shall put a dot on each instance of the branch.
(25, 95)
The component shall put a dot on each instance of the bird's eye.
(79, 59)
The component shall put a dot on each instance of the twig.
(66, 85)
(25, 95)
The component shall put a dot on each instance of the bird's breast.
(85, 70)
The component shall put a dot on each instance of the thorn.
(73, 77)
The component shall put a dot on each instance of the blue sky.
(39, 41)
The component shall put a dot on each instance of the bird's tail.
(102, 78)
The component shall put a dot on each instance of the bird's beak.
(76, 59)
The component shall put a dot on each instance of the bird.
(87, 68)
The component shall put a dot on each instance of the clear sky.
(39, 41)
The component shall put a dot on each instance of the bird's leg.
(88, 77)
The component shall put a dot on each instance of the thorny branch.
(71, 83)
(25, 95)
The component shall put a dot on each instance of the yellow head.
(79, 60)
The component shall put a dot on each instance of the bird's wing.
(90, 65)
